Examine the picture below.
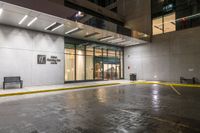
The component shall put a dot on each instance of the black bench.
(186, 80)
(12, 80)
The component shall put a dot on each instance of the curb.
(55, 90)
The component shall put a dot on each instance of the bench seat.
(12, 80)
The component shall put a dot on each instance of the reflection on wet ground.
(117, 109)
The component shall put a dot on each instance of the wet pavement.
(116, 109)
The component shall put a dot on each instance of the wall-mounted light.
(32, 21)
(23, 19)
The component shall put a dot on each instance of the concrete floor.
(117, 109)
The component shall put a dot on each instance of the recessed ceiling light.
(32, 21)
(116, 40)
(57, 27)
(50, 25)
(73, 30)
(23, 19)
(1, 11)
(125, 42)
(106, 38)
(92, 34)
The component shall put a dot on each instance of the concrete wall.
(137, 14)
(168, 57)
(18, 56)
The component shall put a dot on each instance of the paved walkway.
(69, 85)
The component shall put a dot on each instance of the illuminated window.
(69, 63)
(89, 63)
(164, 24)
(80, 64)
(169, 23)
(157, 26)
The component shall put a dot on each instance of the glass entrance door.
(110, 72)
(92, 62)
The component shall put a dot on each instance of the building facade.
(53, 43)
(174, 49)
(60, 41)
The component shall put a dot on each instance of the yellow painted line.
(55, 90)
(163, 120)
(173, 88)
(167, 84)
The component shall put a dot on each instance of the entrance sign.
(42, 59)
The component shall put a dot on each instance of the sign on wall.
(42, 59)
(53, 60)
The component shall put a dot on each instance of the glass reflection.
(101, 95)
(155, 98)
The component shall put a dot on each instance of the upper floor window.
(172, 15)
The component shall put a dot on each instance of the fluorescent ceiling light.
(50, 25)
(73, 30)
(106, 38)
(23, 19)
(32, 21)
(92, 34)
(1, 11)
(128, 43)
(58, 27)
(125, 42)
(116, 40)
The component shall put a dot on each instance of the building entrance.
(93, 62)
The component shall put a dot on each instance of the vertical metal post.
(120, 71)
(102, 64)
(75, 64)
(85, 62)
(94, 63)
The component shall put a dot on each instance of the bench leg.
(193, 79)
(21, 85)
(4, 86)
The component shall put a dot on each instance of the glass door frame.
(102, 57)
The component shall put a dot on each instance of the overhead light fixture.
(128, 43)
(125, 42)
(1, 11)
(23, 19)
(106, 38)
(92, 34)
(122, 41)
(73, 30)
(50, 26)
(54, 26)
(57, 27)
(32, 21)
(116, 40)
